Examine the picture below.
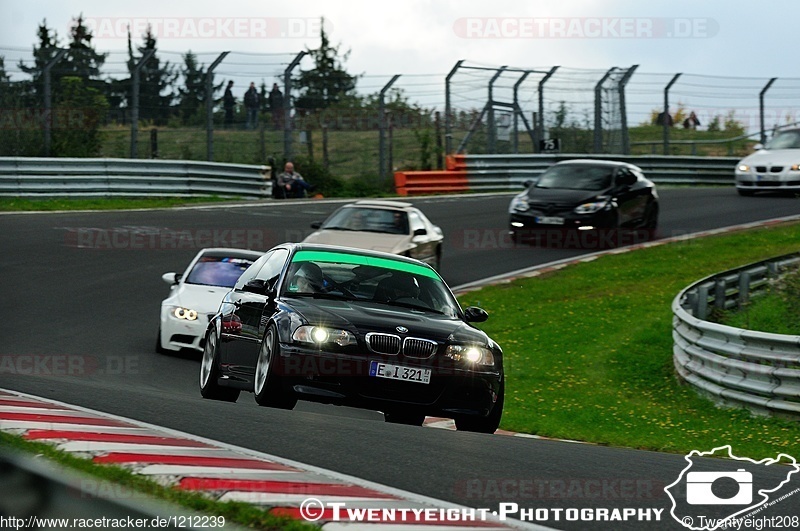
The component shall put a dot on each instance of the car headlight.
(520, 203)
(795, 167)
(184, 313)
(319, 335)
(472, 354)
(743, 167)
(593, 206)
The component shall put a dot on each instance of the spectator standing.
(228, 103)
(692, 122)
(276, 107)
(251, 106)
(292, 182)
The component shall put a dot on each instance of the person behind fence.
(251, 104)
(692, 122)
(276, 106)
(292, 182)
(228, 103)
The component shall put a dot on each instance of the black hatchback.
(585, 195)
(353, 327)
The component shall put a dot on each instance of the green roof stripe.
(360, 259)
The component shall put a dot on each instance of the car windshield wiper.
(336, 228)
(317, 295)
(412, 306)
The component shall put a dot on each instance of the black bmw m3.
(353, 327)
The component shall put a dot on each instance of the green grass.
(588, 350)
(17, 204)
(129, 483)
(768, 313)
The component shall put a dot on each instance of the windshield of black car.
(221, 271)
(414, 287)
(383, 220)
(785, 140)
(576, 177)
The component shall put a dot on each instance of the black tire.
(209, 372)
(651, 218)
(438, 264)
(487, 424)
(745, 193)
(410, 419)
(267, 385)
(159, 347)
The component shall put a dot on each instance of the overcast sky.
(712, 37)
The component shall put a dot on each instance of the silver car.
(388, 226)
(774, 167)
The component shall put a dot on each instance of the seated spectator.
(691, 122)
(292, 182)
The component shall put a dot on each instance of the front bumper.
(180, 334)
(344, 379)
(532, 219)
(768, 181)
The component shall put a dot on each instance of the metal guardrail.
(756, 370)
(496, 172)
(47, 177)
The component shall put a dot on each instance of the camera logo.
(700, 487)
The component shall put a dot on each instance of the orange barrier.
(430, 182)
(456, 162)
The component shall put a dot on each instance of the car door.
(631, 202)
(253, 303)
(424, 247)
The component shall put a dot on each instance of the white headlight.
(185, 313)
(743, 167)
(520, 203)
(319, 335)
(591, 208)
(471, 354)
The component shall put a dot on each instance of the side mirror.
(420, 232)
(473, 314)
(256, 285)
(528, 183)
(626, 179)
(171, 278)
(316, 225)
(758, 147)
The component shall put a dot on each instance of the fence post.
(598, 110)
(626, 140)
(492, 136)
(517, 109)
(666, 112)
(540, 126)
(382, 159)
(437, 124)
(48, 103)
(287, 105)
(135, 103)
(448, 111)
(210, 106)
(761, 107)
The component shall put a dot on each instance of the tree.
(328, 84)
(42, 54)
(193, 93)
(79, 111)
(82, 60)
(155, 82)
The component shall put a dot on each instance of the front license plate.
(398, 372)
(544, 220)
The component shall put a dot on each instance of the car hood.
(374, 241)
(366, 316)
(203, 299)
(562, 195)
(785, 157)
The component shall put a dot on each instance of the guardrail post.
(48, 103)
(287, 105)
(135, 102)
(540, 126)
(701, 306)
(210, 106)
(492, 136)
(382, 128)
(761, 107)
(598, 111)
(666, 113)
(720, 287)
(744, 288)
(448, 110)
(626, 141)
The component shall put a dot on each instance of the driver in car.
(308, 279)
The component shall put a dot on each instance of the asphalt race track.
(81, 293)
